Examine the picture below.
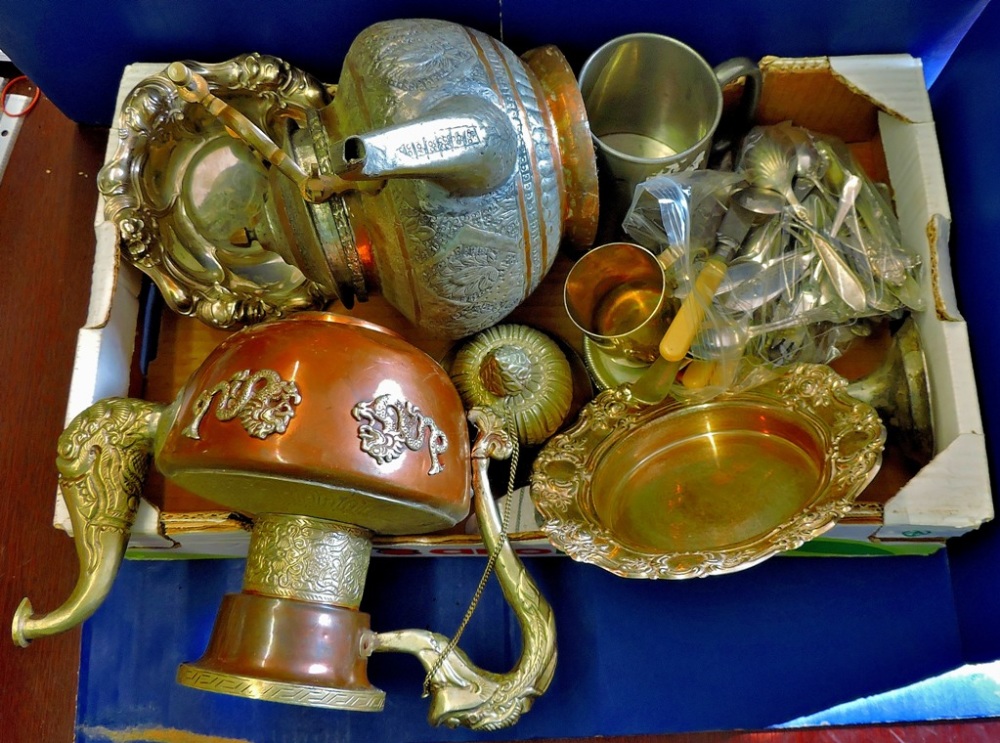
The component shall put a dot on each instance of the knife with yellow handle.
(686, 323)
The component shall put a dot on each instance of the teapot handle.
(462, 693)
(193, 88)
(103, 459)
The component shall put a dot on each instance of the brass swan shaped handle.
(462, 693)
(103, 459)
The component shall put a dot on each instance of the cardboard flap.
(109, 270)
(894, 81)
(806, 92)
(954, 404)
(924, 505)
(922, 203)
(108, 273)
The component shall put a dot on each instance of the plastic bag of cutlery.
(687, 220)
(803, 246)
(822, 204)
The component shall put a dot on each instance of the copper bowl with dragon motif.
(324, 430)
(325, 416)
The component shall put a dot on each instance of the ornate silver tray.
(188, 200)
(674, 491)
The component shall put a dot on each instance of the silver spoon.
(845, 282)
(764, 242)
(810, 166)
(760, 200)
(848, 196)
(771, 163)
(772, 280)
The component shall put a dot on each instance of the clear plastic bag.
(816, 252)
(672, 212)
(832, 211)
(680, 218)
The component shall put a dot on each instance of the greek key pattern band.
(371, 700)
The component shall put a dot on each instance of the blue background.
(784, 639)
(75, 51)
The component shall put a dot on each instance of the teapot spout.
(465, 143)
(92, 587)
(103, 458)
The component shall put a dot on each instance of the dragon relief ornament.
(389, 425)
(263, 409)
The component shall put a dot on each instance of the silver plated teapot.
(442, 172)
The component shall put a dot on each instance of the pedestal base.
(289, 651)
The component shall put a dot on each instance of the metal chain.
(511, 429)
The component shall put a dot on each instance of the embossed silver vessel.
(443, 171)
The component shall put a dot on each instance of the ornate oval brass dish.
(670, 491)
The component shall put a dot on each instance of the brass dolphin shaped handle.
(103, 459)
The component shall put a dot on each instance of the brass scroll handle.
(462, 693)
(102, 462)
(193, 88)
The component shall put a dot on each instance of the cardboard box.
(877, 104)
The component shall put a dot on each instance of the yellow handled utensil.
(680, 335)
(698, 374)
(686, 323)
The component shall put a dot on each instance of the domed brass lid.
(521, 373)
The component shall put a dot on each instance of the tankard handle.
(102, 461)
(729, 72)
(462, 693)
